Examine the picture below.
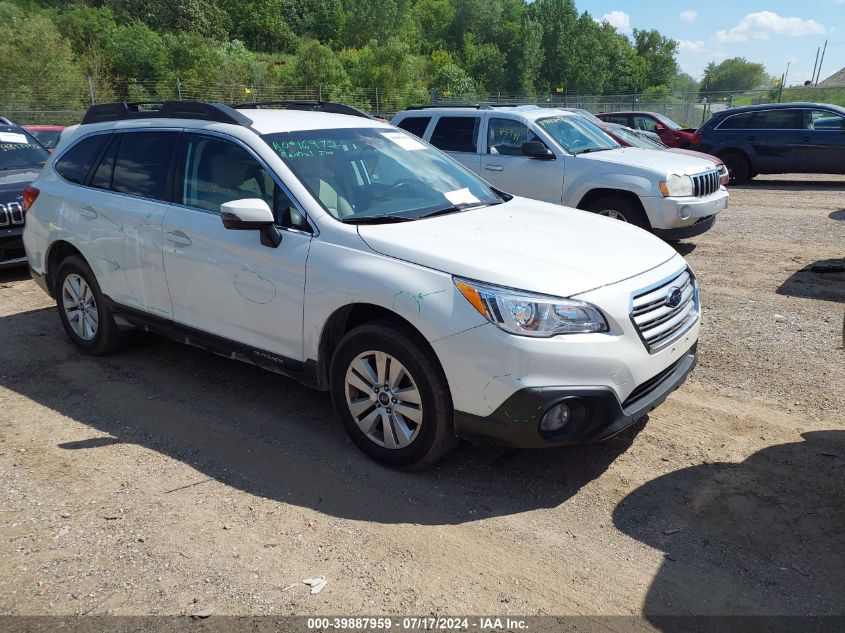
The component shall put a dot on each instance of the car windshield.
(576, 134)
(373, 174)
(18, 150)
(48, 138)
(635, 139)
(665, 120)
(592, 118)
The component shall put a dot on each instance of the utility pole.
(821, 61)
(815, 63)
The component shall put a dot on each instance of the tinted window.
(456, 134)
(143, 164)
(737, 121)
(779, 120)
(825, 120)
(506, 136)
(644, 123)
(621, 119)
(218, 171)
(77, 161)
(415, 124)
(103, 174)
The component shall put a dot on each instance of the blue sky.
(772, 32)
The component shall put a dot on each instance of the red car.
(627, 137)
(47, 135)
(669, 132)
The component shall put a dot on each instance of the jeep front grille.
(705, 184)
(11, 214)
(660, 317)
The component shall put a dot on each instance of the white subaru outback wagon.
(356, 258)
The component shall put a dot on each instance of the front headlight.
(530, 314)
(675, 185)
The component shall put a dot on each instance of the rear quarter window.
(779, 120)
(75, 164)
(142, 165)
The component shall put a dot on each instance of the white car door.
(505, 167)
(120, 216)
(226, 282)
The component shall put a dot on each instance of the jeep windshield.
(576, 134)
(18, 150)
(379, 174)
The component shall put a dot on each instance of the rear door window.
(416, 125)
(456, 134)
(779, 120)
(620, 119)
(825, 120)
(142, 165)
(645, 123)
(75, 164)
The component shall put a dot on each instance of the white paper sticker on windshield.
(12, 137)
(403, 140)
(461, 196)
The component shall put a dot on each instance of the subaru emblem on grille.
(673, 297)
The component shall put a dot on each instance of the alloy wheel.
(384, 399)
(80, 307)
(613, 214)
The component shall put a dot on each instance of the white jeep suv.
(355, 258)
(561, 157)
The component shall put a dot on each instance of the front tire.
(620, 208)
(391, 395)
(739, 168)
(84, 311)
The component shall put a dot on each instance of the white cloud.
(620, 20)
(762, 25)
(692, 16)
(689, 46)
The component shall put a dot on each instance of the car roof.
(530, 112)
(271, 121)
(631, 112)
(46, 128)
(778, 106)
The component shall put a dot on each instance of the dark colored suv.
(776, 138)
(21, 158)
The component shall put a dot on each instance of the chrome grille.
(705, 184)
(659, 322)
(11, 214)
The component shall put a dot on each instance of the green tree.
(452, 81)
(659, 53)
(684, 83)
(736, 74)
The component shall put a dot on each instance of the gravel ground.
(166, 480)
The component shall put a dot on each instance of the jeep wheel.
(83, 310)
(620, 208)
(392, 396)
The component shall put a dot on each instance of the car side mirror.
(536, 149)
(251, 214)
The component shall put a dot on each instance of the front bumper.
(11, 247)
(677, 214)
(702, 225)
(516, 421)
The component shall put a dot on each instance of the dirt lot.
(165, 479)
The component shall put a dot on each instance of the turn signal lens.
(29, 196)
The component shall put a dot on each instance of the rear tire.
(83, 309)
(392, 396)
(739, 168)
(620, 208)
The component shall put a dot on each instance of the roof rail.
(478, 106)
(123, 110)
(316, 106)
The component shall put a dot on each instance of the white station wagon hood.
(524, 244)
(668, 162)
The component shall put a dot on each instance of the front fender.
(340, 276)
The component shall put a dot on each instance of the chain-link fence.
(67, 106)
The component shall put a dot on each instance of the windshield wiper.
(457, 208)
(377, 219)
(589, 150)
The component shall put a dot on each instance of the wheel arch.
(56, 254)
(597, 194)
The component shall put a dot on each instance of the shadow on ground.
(271, 437)
(825, 280)
(764, 536)
(14, 273)
(789, 185)
(837, 215)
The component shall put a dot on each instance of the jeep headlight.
(529, 314)
(677, 186)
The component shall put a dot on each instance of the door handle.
(494, 167)
(177, 237)
(88, 212)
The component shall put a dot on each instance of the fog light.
(555, 418)
(684, 212)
